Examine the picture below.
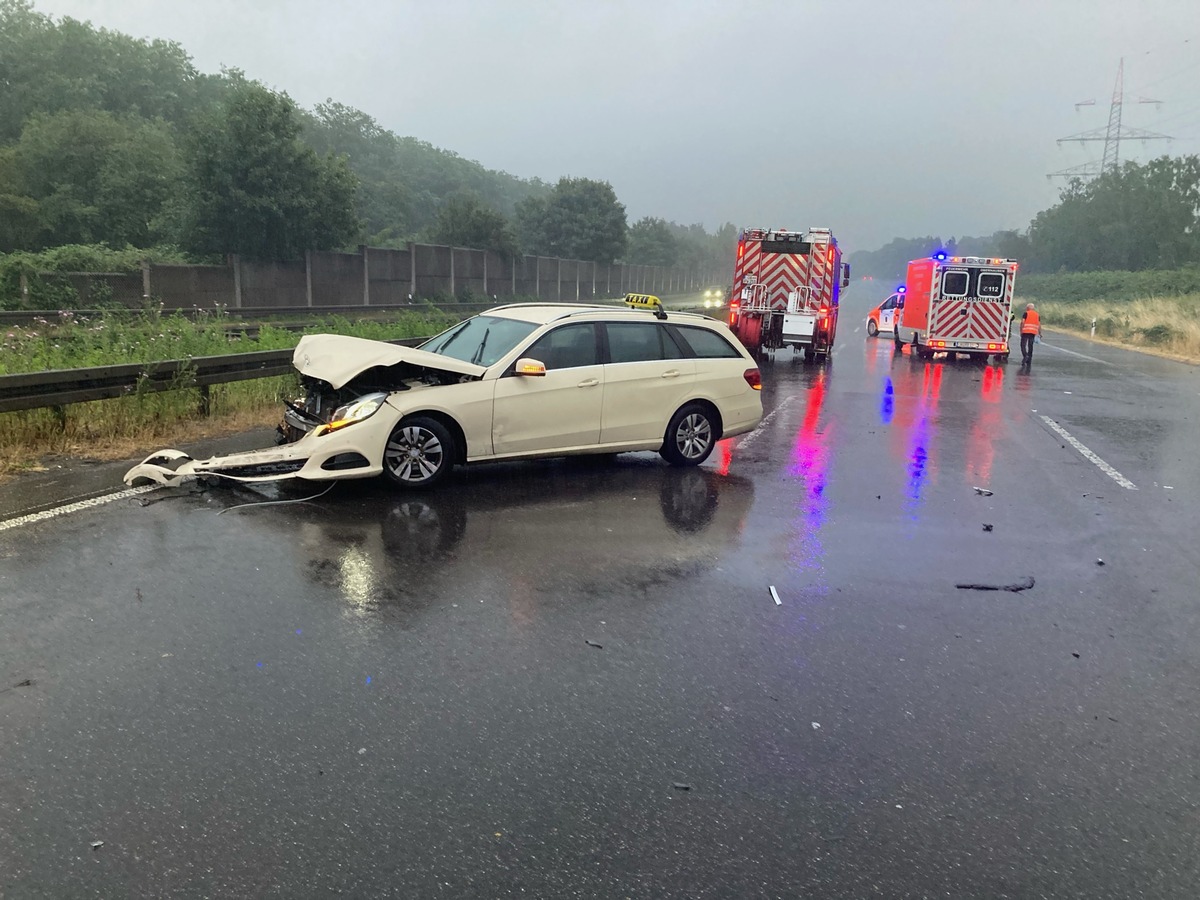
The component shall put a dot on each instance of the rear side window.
(639, 341)
(566, 347)
(991, 284)
(954, 283)
(706, 344)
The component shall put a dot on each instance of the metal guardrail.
(34, 390)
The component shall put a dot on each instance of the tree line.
(110, 140)
(1138, 217)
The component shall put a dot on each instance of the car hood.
(337, 359)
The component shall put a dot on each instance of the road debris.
(1076, 655)
(987, 526)
(680, 786)
(816, 726)
(1025, 584)
(775, 596)
(594, 644)
(983, 492)
(96, 845)
(1099, 562)
(28, 682)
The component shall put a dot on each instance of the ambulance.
(786, 287)
(957, 304)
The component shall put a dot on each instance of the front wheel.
(419, 453)
(872, 327)
(691, 435)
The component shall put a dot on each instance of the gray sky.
(875, 118)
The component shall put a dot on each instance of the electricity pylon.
(1112, 135)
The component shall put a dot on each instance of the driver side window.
(566, 348)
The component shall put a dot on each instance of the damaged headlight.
(362, 408)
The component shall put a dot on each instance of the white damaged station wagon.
(522, 380)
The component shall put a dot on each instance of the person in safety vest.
(1031, 327)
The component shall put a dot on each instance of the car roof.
(544, 313)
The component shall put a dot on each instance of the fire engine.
(786, 286)
(957, 304)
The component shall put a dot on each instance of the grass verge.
(1164, 326)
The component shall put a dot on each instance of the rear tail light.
(993, 346)
(939, 343)
(753, 378)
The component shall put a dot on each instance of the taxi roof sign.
(646, 301)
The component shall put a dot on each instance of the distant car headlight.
(362, 408)
(708, 304)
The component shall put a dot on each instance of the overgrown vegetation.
(124, 426)
(1168, 326)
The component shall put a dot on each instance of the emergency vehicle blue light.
(940, 256)
(901, 289)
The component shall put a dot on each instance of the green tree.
(256, 189)
(580, 219)
(465, 222)
(50, 67)
(651, 243)
(89, 177)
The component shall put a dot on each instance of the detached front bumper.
(342, 454)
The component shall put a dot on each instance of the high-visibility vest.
(1032, 323)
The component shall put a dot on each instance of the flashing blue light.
(901, 290)
(939, 256)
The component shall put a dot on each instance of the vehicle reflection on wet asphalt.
(570, 678)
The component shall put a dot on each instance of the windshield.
(481, 340)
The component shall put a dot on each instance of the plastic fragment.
(680, 786)
(816, 726)
(984, 492)
(1023, 585)
(775, 596)
(594, 644)
(96, 845)
(1099, 562)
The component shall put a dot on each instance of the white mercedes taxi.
(522, 380)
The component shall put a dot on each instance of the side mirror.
(900, 302)
(845, 274)
(527, 366)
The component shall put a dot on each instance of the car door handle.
(591, 382)
(674, 373)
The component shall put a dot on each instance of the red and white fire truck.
(957, 304)
(786, 286)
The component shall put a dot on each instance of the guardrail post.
(453, 292)
(1093, 327)
(145, 282)
(205, 401)
(24, 289)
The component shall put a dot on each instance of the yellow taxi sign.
(643, 301)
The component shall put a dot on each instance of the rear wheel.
(420, 453)
(896, 341)
(691, 435)
(872, 327)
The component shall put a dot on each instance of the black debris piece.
(987, 526)
(680, 786)
(594, 644)
(983, 492)
(1025, 584)
(1076, 655)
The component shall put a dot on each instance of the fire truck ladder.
(799, 299)
(759, 300)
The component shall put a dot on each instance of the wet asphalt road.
(571, 680)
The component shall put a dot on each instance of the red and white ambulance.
(957, 304)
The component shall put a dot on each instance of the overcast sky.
(877, 118)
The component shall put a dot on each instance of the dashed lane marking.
(67, 509)
(1088, 454)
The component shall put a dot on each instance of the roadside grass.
(125, 427)
(1164, 326)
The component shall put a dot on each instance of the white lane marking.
(766, 420)
(1088, 454)
(34, 518)
(858, 329)
(1074, 353)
